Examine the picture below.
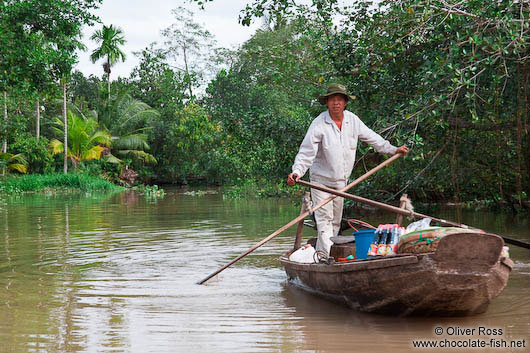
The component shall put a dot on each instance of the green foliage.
(158, 85)
(35, 152)
(150, 191)
(286, 57)
(125, 115)
(109, 39)
(444, 77)
(262, 110)
(13, 162)
(449, 80)
(188, 143)
(37, 182)
(39, 39)
(128, 120)
(39, 42)
(86, 141)
(84, 92)
(191, 47)
(254, 187)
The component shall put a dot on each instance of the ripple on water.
(120, 274)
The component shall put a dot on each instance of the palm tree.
(86, 141)
(131, 119)
(13, 162)
(110, 38)
(133, 147)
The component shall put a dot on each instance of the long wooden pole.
(402, 211)
(302, 216)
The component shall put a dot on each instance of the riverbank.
(262, 188)
(241, 189)
(55, 182)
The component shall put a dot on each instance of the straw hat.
(335, 88)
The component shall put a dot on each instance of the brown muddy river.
(118, 273)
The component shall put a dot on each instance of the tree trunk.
(498, 154)
(108, 86)
(499, 165)
(65, 129)
(4, 144)
(187, 71)
(108, 92)
(456, 175)
(108, 79)
(526, 139)
(520, 101)
(37, 107)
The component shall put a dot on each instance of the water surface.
(118, 273)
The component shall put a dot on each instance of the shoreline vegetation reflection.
(117, 271)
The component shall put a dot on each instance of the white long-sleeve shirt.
(329, 153)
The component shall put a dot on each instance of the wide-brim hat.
(335, 88)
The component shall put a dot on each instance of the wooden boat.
(462, 277)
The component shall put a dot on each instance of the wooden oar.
(403, 212)
(303, 215)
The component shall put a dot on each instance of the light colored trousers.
(328, 218)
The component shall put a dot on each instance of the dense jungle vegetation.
(447, 78)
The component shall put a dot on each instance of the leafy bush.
(36, 153)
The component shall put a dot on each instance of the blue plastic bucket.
(363, 239)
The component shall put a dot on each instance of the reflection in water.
(118, 272)
(328, 327)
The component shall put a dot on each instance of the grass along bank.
(58, 181)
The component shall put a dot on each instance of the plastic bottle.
(372, 250)
(381, 246)
(303, 255)
(391, 236)
(392, 246)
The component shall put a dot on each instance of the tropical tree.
(84, 91)
(127, 114)
(13, 162)
(86, 140)
(133, 147)
(127, 120)
(191, 47)
(37, 37)
(35, 151)
(262, 125)
(110, 39)
(449, 78)
(4, 130)
(156, 83)
(189, 144)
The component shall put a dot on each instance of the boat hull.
(456, 280)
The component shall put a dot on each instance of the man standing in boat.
(328, 151)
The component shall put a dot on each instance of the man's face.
(336, 103)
